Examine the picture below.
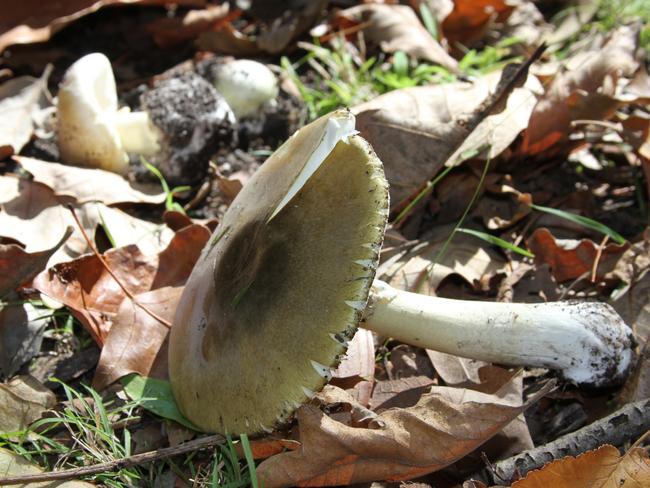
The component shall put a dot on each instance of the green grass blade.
(248, 454)
(496, 241)
(583, 221)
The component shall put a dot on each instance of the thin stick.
(142, 458)
(599, 255)
(110, 271)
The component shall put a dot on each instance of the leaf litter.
(359, 430)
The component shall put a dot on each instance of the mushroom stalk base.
(587, 341)
(137, 133)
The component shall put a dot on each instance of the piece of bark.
(626, 424)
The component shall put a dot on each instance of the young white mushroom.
(246, 85)
(91, 130)
(288, 275)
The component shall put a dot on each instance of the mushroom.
(288, 275)
(246, 85)
(91, 129)
(183, 122)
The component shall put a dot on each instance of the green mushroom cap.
(281, 285)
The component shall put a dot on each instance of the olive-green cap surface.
(282, 283)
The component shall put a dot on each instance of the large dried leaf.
(416, 130)
(592, 87)
(356, 372)
(601, 468)
(92, 293)
(12, 464)
(33, 215)
(22, 401)
(397, 28)
(21, 99)
(135, 341)
(448, 423)
(31, 21)
(570, 259)
(90, 185)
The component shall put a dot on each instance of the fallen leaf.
(21, 334)
(11, 464)
(601, 468)
(21, 99)
(22, 401)
(447, 423)
(18, 266)
(32, 21)
(397, 28)
(356, 372)
(169, 31)
(134, 343)
(399, 393)
(415, 131)
(470, 19)
(456, 371)
(422, 268)
(92, 294)
(37, 218)
(89, 185)
(591, 87)
(272, 38)
(569, 258)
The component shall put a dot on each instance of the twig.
(599, 255)
(110, 271)
(145, 457)
(629, 422)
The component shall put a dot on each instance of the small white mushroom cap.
(91, 130)
(246, 85)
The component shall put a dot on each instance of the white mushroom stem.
(587, 341)
(137, 133)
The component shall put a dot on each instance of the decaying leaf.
(22, 401)
(21, 334)
(11, 464)
(601, 468)
(470, 19)
(18, 266)
(170, 31)
(356, 372)
(447, 423)
(91, 292)
(416, 130)
(570, 259)
(89, 185)
(21, 100)
(591, 87)
(397, 28)
(32, 21)
(33, 215)
(135, 341)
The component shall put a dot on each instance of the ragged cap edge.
(339, 127)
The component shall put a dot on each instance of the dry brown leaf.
(31, 21)
(356, 372)
(470, 19)
(570, 259)
(33, 215)
(21, 334)
(11, 464)
(592, 87)
(466, 256)
(92, 294)
(399, 393)
(416, 130)
(397, 28)
(601, 468)
(18, 266)
(136, 341)
(22, 401)
(89, 185)
(169, 31)
(21, 101)
(448, 423)
(272, 39)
